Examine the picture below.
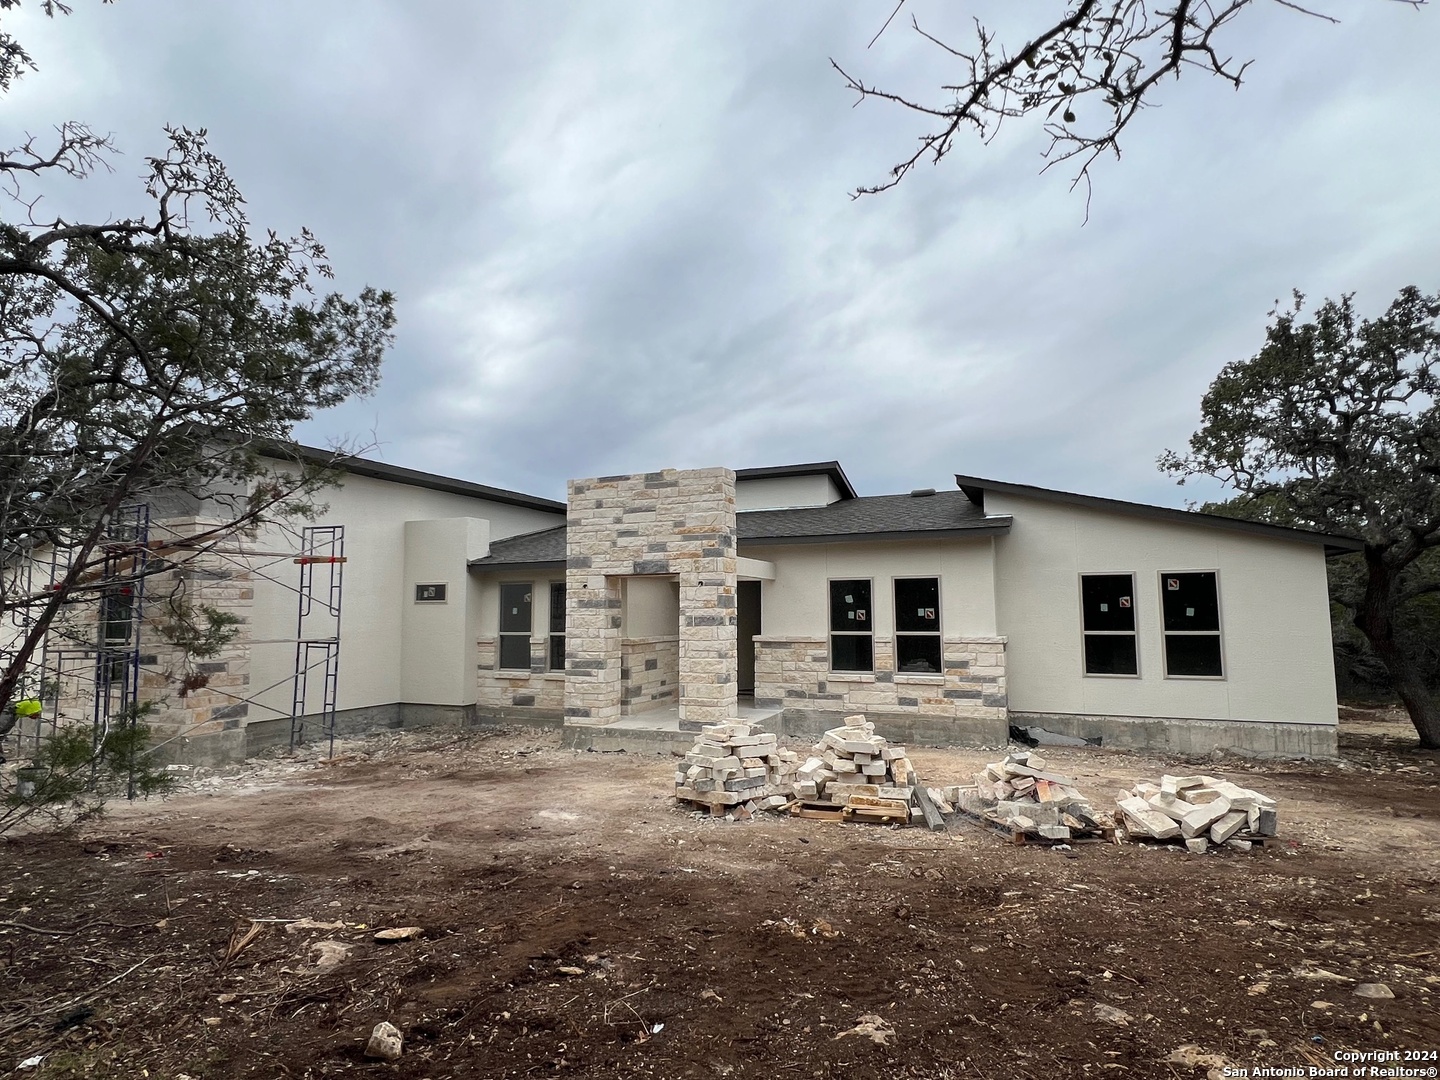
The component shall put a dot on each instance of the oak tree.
(1335, 425)
(151, 354)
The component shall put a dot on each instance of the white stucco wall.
(379, 591)
(796, 603)
(1274, 611)
(783, 492)
(650, 607)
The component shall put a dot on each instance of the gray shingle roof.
(874, 517)
(878, 517)
(527, 549)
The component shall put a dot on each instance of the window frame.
(896, 633)
(831, 634)
(1218, 632)
(1135, 633)
(553, 637)
(117, 609)
(501, 635)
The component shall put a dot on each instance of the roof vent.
(920, 493)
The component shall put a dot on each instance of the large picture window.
(852, 635)
(1190, 611)
(917, 626)
(557, 626)
(515, 613)
(1107, 610)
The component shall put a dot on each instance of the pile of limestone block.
(734, 770)
(853, 767)
(1021, 792)
(1200, 810)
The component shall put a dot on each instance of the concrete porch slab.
(656, 731)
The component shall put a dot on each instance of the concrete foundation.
(398, 716)
(1176, 735)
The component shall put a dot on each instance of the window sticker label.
(860, 615)
(1124, 601)
(929, 613)
(1172, 584)
(1189, 612)
(849, 599)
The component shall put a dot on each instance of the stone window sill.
(927, 680)
(849, 676)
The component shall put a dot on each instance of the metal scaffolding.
(317, 628)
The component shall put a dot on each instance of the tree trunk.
(1375, 618)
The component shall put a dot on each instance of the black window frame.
(936, 634)
(117, 611)
(868, 635)
(1167, 633)
(1086, 632)
(501, 634)
(557, 637)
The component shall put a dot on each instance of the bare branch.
(1104, 59)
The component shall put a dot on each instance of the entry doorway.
(747, 626)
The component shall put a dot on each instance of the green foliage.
(73, 777)
(200, 632)
(157, 353)
(1335, 425)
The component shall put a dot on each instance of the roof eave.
(899, 534)
(544, 564)
(1333, 543)
(379, 470)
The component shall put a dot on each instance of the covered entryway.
(748, 625)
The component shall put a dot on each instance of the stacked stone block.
(735, 769)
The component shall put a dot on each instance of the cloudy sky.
(621, 235)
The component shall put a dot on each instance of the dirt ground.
(577, 923)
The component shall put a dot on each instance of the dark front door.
(748, 625)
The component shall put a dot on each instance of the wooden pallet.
(1104, 834)
(1257, 843)
(818, 811)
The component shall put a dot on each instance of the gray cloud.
(622, 239)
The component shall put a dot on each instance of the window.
(557, 626)
(1107, 611)
(917, 625)
(852, 642)
(515, 626)
(117, 617)
(1190, 607)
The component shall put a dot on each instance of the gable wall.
(784, 492)
(1275, 617)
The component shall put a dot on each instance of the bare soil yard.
(576, 923)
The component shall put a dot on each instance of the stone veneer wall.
(650, 673)
(539, 688)
(194, 698)
(206, 580)
(679, 523)
(795, 673)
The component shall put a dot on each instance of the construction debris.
(1199, 811)
(855, 775)
(735, 770)
(1022, 795)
